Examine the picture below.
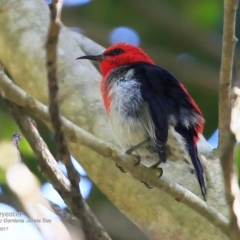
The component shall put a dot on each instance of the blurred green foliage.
(204, 14)
(2, 176)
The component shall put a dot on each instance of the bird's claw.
(132, 149)
(147, 185)
(123, 170)
(159, 171)
(136, 158)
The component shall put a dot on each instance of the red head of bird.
(147, 104)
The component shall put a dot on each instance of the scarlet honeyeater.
(147, 104)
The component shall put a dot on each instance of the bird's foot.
(159, 172)
(147, 185)
(132, 149)
(123, 170)
(136, 158)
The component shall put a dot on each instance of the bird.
(149, 110)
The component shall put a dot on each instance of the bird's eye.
(116, 51)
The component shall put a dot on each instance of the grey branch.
(228, 45)
(140, 172)
(77, 206)
(226, 138)
(49, 168)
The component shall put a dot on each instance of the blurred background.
(183, 37)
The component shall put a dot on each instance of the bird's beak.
(97, 58)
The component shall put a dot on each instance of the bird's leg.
(158, 170)
(136, 157)
(154, 166)
(132, 149)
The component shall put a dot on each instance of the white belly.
(124, 113)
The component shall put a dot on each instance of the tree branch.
(77, 207)
(49, 168)
(64, 215)
(228, 45)
(226, 138)
(139, 172)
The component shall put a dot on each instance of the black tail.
(188, 136)
(198, 171)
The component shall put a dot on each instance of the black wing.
(157, 104)
(157, 88)
(166, 97)
(158, 108)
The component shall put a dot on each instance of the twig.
(226, 137)
(64, 215)
(51, 48)
(49, 168)
(227, 154)
(229, 40)
(76, 134)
